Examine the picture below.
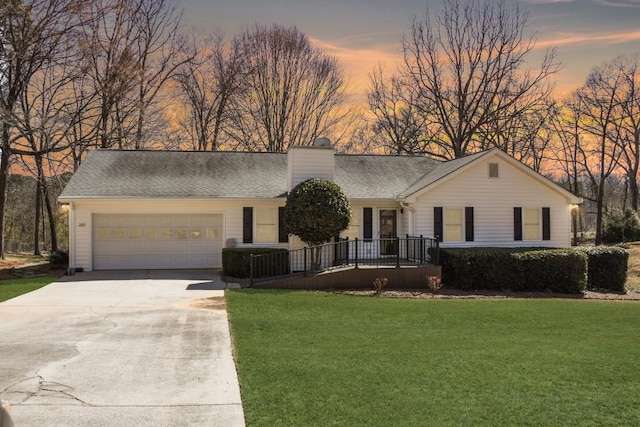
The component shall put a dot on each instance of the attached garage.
(157, 241)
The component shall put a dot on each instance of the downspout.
(412, 222)
(72, 238)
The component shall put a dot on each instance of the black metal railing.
(394, 252)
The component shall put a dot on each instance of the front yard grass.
(15, 287)
(318, 359)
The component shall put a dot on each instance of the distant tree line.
(77, 75)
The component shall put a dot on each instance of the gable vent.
(493, 170)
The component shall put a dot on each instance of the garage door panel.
(147, 241)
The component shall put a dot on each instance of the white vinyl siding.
(493, 201)
(453, 224)
(531, 224)
(266, 225)
(229, 235)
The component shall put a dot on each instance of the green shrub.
(478, 268)
(607, 268)
(619, 226)
(59, 258)
(516, 269)
(555, 270)
(236, 262)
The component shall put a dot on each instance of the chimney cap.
(322, 142)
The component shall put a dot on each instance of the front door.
(388, 231)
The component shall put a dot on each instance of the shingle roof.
(166, 174)
(188, 174)
(379, 177)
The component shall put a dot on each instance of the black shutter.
(546, 224)
(437, 223)
(468, 224)
(247, 225)
(517, 223)
(283, 236)
(367, 220)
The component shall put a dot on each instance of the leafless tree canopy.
(293, 90)
(35, 36)
(464, 69)
(210, 86)
(130, 50)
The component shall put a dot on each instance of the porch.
(349, 264)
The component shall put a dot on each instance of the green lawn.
(15, 287)
(317, 359)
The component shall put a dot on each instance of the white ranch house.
(177, 210)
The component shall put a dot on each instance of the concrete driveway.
(132, 348)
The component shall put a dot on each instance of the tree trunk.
(4, 174)
(633, 189)
(36, 226)
(51, 216)
(599, 204)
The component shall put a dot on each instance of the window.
(266, 225)
(102, 234)
(135, 233)
(453, 224)
(181, 234)
(531, 224)
(493, 170)
(149, 234)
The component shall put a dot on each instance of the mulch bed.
(461, 294)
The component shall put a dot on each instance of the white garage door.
(148, 241)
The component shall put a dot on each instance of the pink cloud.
(566, 39)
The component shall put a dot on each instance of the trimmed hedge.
(516, 269)
(607, 268)
(555, 270)
(236, 262)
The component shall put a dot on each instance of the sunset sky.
(362, 33)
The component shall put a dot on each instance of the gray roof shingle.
(188, 174)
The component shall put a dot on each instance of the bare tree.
(33, 33)
(44, 119)
(565, 151)
(628, 102)
(466, 64)
(524, 135)
(294, 90)
(404, 127)
(160, 51)
(597, 106)
(108, 45)
(208, 85)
